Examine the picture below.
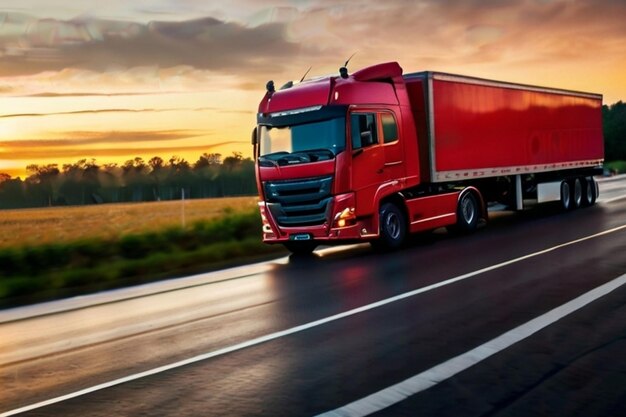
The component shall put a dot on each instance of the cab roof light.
(295, 111)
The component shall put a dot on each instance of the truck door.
(394, 166)
(368, 160)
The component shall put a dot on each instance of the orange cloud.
(76, 112)
(62, 152)
(77, 138)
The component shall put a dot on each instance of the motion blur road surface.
(310, 336)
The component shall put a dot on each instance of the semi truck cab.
(328, 151)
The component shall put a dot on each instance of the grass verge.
(50, 271)
(617, 167)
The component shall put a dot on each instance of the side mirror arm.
(357, 152)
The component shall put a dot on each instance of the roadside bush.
(134, 246)
(22, 286)
(34, 259)
(617, 167)
(10, 262)
(88, 253)
(45, 257)
(234, 227)
(57, 255)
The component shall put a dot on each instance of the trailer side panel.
(483, 128)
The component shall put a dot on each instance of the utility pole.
(182, 210)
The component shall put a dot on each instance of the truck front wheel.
(392, 227)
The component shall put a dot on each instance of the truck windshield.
(307, 142)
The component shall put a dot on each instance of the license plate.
(300, 236)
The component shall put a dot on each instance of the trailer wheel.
(467, 213)
(589, 192)
(392, 227)
(566, 197)
(300, 248)
(578, 194)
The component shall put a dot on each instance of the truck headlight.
(266, 224)
(345, 218)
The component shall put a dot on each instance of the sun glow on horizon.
(113, 129)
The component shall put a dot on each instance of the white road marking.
(297, 329)
(138, 291)
(433, 376)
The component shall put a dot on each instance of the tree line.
(87, 182)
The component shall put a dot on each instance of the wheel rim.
(589, 192)
(392, 225)
(578, 192)
(468, 211)
(565, 194)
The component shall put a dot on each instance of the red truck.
(375, 155)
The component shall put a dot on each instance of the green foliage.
(10, 262)
(14, 287)
(614, 123)
(31, 274)
(135, 246)
(616, 167)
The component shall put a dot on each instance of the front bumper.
(355, 229)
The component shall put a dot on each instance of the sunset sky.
(116, 79)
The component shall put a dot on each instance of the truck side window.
(363, 127)
(390, 129)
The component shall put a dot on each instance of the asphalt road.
(525, 317)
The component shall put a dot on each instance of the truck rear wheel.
(578, 194)
(589, 191)
(392, 227)
(467, 213)
(566, 197)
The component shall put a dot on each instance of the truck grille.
(299, 202)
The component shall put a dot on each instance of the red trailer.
(375, 155)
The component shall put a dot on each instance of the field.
(65, 224)
(53, 253)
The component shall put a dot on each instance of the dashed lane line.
(433, 376)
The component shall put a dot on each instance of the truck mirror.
(255, 142)
(254, 138)
(366, 138)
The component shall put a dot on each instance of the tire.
(467, 213)
(589, 192)
(566, 196)
(393, 227)
(300, 248)
(578, 194)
